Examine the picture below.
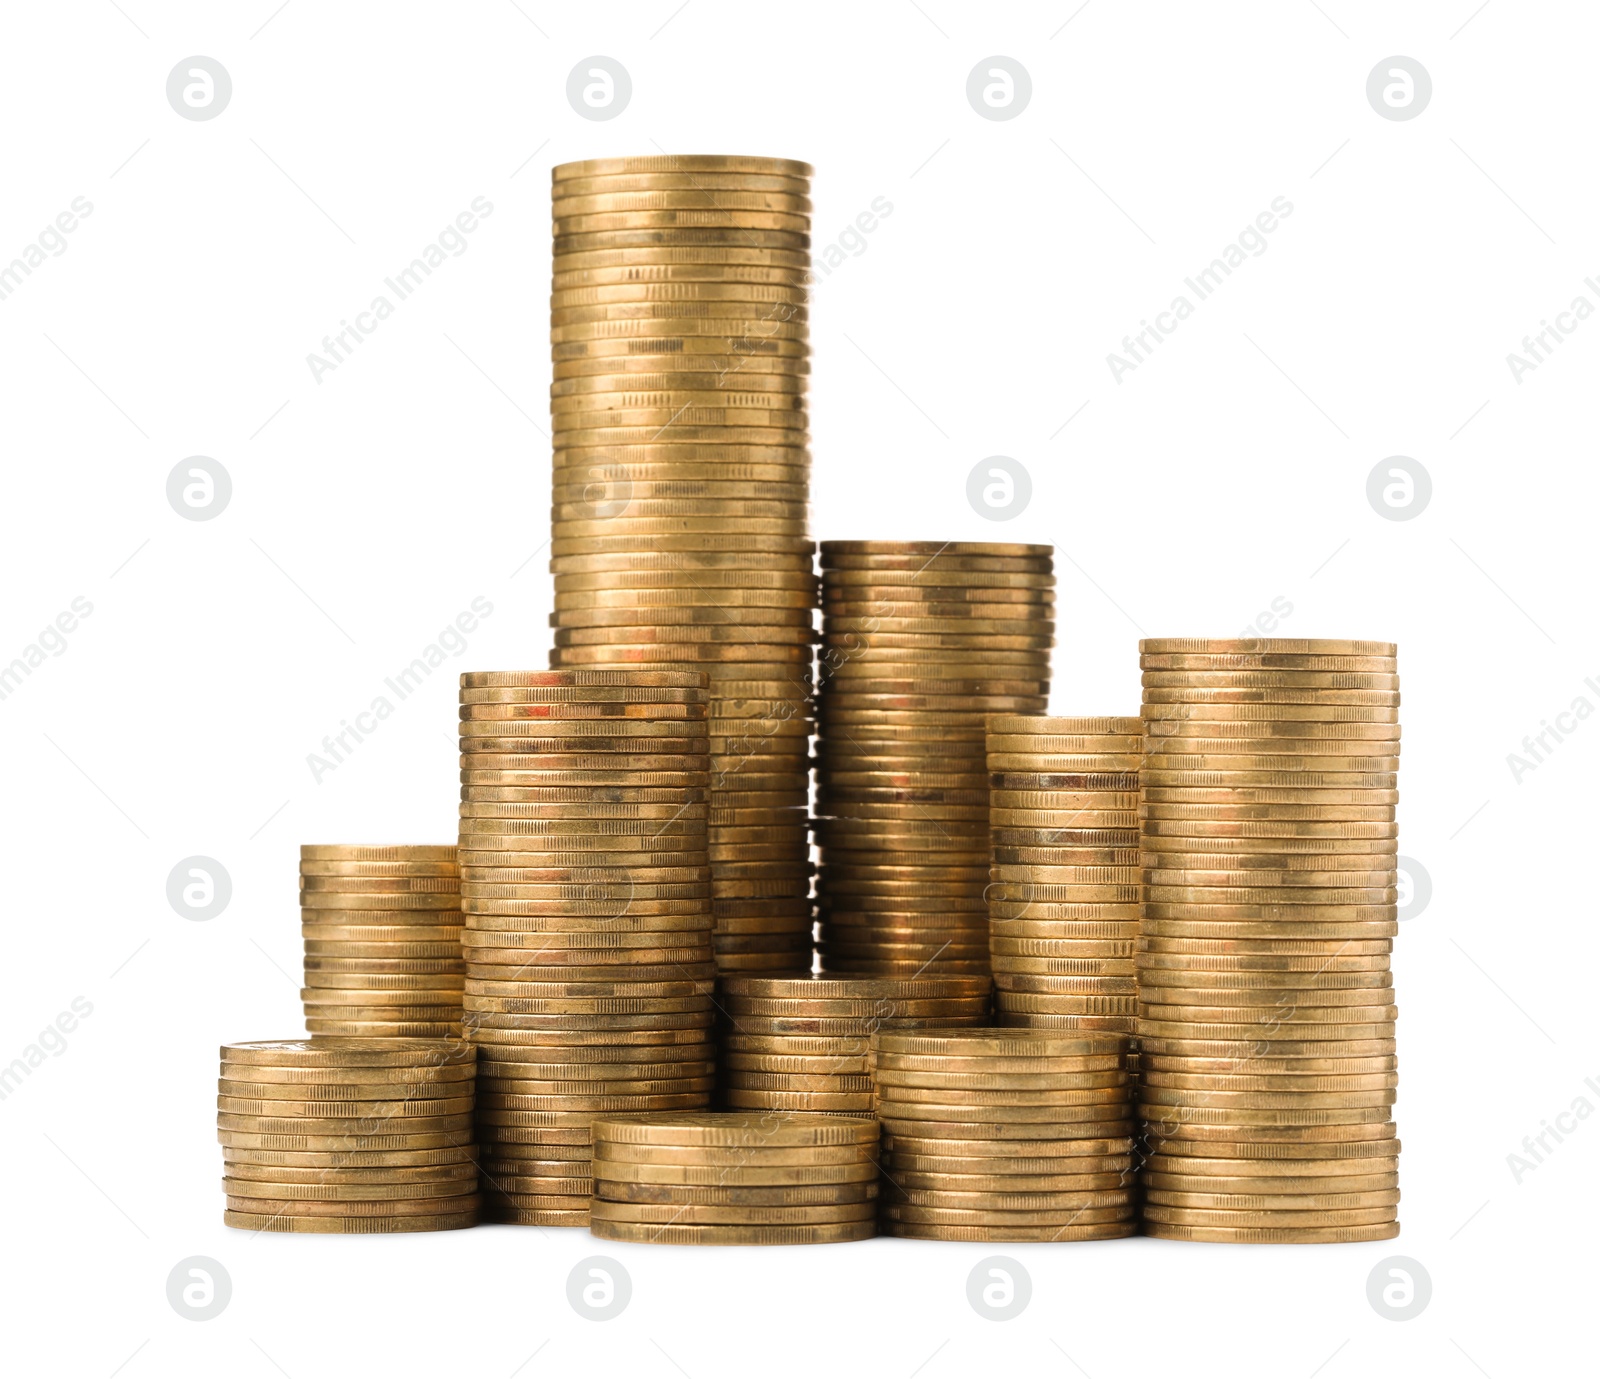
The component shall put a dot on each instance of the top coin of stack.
(1267, 1014)
(1064, 869)
(922, 640)
(803, 1043)
(382, 933)
(588, 932)
(348, 1136)
(726, 1178)
(681, 342)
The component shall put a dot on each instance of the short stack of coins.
(803, 1044)
(339, 1136)
(586, 889)
(1267, 1016)
(732, 1178)
(1005, 1134)
(1064, 870)
(382, 933)
(682, 477)
(921, 641)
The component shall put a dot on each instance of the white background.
(369, 509)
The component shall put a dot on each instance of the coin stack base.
(1267, 1016)
(586, 886)
(681, 488)
(921, 640)
(348, 1136)
(803, 1044)
(382, 934)
(731, 1178)
(1005, 1134)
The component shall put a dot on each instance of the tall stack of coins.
(1267, 1020)
(1064, 870)
(587, 891)
(382, 933)
(724, 1178)
(681, 343)
(803, 1044)
(1005, 1134)
(348, 1136)
(922, 640)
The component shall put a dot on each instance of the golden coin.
(738, 1156)
(440, 1192)
(1177, 710)
(1115, 1230)
(684, 164)
(343, 1144)
(380, 870)
(688, 1213)
(351, 1225)
(351, 1053)
(617, 1171)
(322, 1094)
(651, 1233)
(403, 854)
(1298, 646)
(998, 1180)
(712, 1129)
(1060, 1217)
(1282, 1235)
(1191, 1216)
(1272, 1194)
(265, 1166)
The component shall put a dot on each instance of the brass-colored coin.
(350, 1053)
(341, 1143)
(857, 1175)
(1273, 1175)
(1353, 1144)
(1029, 1153)
(619, 1159)
(403, 854)
(441, 1192)
(1067, 1217)
(1283, 1235)
(286, 1166)
(690, 1213)
(1215, 661)
(682, 164)
(351, 1225)
(651, 1233)
(352, 1207)
(723, 1129)
(291, 1094)
(1116, 1230)
(1111, 1195)
(1197, 1217)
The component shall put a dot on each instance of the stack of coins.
(586, 889)
(1267, 1021)
(382, 931)
(341, 1136)
(1005, 1134)
(804, 1044)
(921, 641)
(729, 1178)
(1064, 869)
(682, 480)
